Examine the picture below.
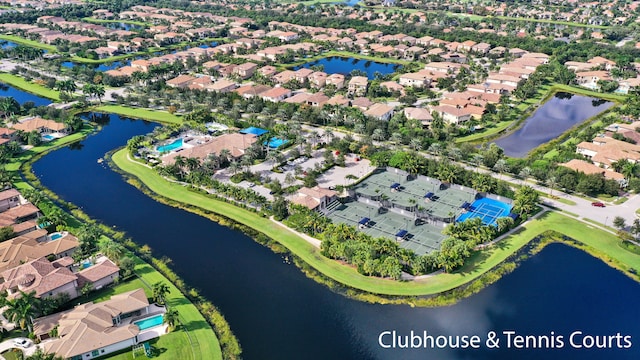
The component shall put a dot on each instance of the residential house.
(358, 85)
(180, 81)
(27, 247)
(104, 327)
(380, 111)
(589, 169)
(420, 114)
(236, 143)
(452, 114)
(336, 80)
(9, 199)
(276, 94)
(245, 70)
(318, 79)
(41, 125)
(419, 79)
(42, 277)
(604, 151)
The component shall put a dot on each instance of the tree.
(619, 223)
(6, 233)
(112, 249)
(635, 228)
(22, 309)
(525, 200)
(39, 354)
(127, 266)
(279, 208)
(160, 292)
(171, 318)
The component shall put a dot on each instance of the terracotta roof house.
(452, 114)
(236, 143)
(336, 80)
(20, 249)
(245, 70)
(41, 125)
(104, 327)
(358, 85)
(605, 151)
(318, 79)
(180, 81)
(418, 79)
(99, 275)
(276, 94)
(9, 198)
(420, 114)
(393, 86)
(41, 276)
(589, 168)
(315, 198)
(380, 111)
(222, 86)
(248, 91)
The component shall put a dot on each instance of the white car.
(22, 342)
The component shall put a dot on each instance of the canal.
(278, 313)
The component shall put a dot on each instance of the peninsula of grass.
(27, 42)
(30, 87)
(597, 242)
(146, 114)
(478, 135)
(195, 339)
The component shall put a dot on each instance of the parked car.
(22, 342)
(597, 204)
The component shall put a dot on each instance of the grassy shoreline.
(479, 263)
(145, 114)
(27, 42)
(200, 342)
(22, 84)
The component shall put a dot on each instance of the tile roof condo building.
(104, 327)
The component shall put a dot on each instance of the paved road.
(8, 344)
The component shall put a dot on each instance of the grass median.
(479, 263)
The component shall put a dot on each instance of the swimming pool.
(169, 147)
(275, 142)
(149, 322)
(488, 210)
(48, 137)
(55, 236)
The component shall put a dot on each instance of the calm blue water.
(339, 65)
(56, 236)
(556, 116)
(22, 96)
(272, 306)
(174, 145)
(488, 210)
(206, 46)
(149, 322)
(275, 142)
(100, 67)
(6, 45)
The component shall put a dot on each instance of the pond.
(553, 118)
(278, 313)
(22, 96)
(342, 65)
(7, 45)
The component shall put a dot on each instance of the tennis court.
(488, 210)
(421, 239)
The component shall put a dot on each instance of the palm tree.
(551, 183)
(378, 134)
(22, 309)
(234, 167)
(112, 250)
(415, 144)
(525, 173)
(9, 106)
(171, 318)
(57, 217)
(160, 292)
(476, 160)
(500, 166)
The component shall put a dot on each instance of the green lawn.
(483, 134)
(12, 355)
(28, 86)
(478, 264)
(27, 42)
(159, 116)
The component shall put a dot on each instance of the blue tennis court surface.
(488, 210)
(254, 130)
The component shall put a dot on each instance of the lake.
(278, 313)
(553, 118)
(340, 65)
(22, 96)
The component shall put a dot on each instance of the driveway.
(8, 345)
